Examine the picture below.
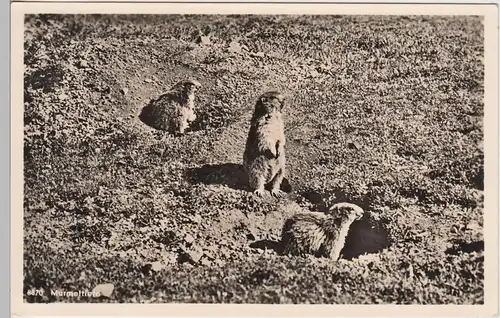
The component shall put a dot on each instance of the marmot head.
(270, 102)
(187, 87)
(346, 211)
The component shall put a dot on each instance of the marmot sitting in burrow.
(264, 156)
(319, 234)
(175, 110)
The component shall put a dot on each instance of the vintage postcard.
(221, 159)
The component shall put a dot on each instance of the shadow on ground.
(148, 117)
(465, 247)
(230, 174)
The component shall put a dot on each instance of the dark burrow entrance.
(366, 236)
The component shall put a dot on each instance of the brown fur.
(264, 156)
(319, 234)
(174, 111)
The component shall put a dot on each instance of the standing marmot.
(319, 234)
(174, 110)
(264, 156)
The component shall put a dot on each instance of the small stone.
(84, 64)
(187, 265)
(258, 54)
(83, 276)
(206, 262)
(104, 289)
(63, 96)
(196, 219)
(205, 40)
(474, 226)
(209, 254)
(148, 80)
(124, 91)
(234, 47)
(189, 239)
(157, 266)
(195, 255)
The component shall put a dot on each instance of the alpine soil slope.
(384, 112)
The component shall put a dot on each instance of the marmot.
(175, 110)
(264, 156)
(319, 234)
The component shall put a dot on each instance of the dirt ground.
(384, 112)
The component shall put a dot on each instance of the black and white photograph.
(254, 159)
